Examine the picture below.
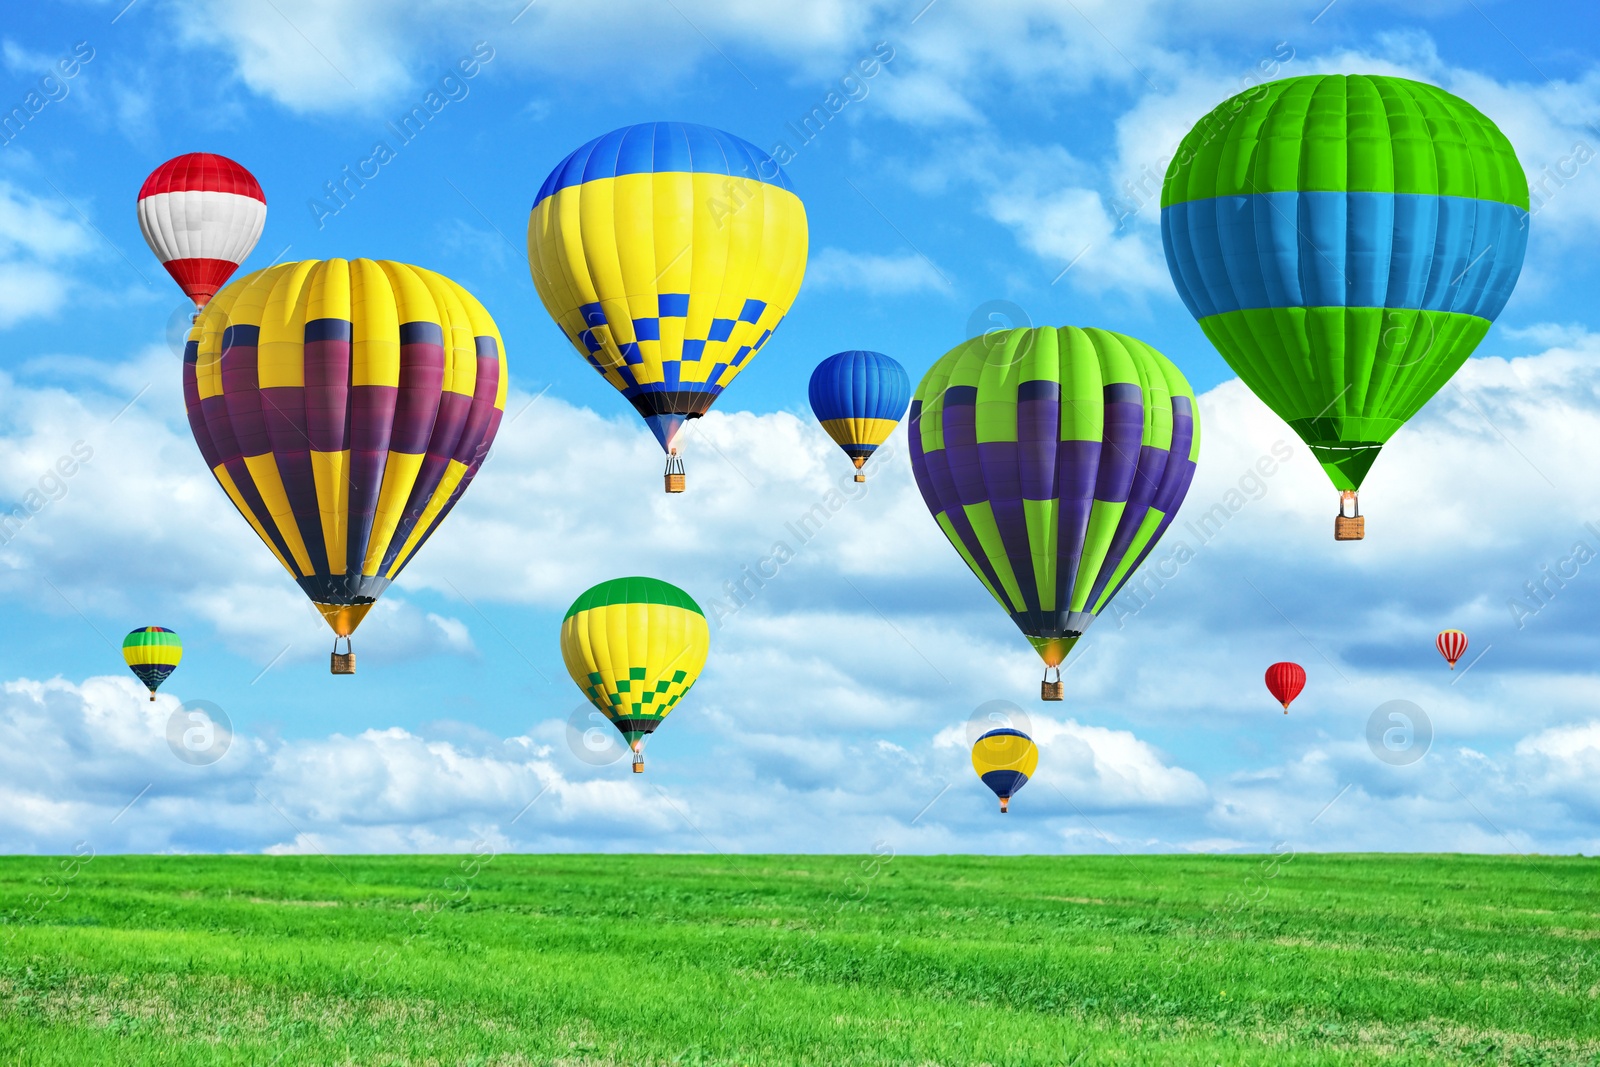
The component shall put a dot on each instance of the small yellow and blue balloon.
(152, 653)
(635, 646)
(859, 397)
(1005, 759)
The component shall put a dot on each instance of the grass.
(833, 961)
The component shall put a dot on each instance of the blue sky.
(950, 193)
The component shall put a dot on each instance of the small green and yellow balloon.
(635, 646)
(152, 653)
(1005, 759)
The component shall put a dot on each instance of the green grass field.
(511, 960)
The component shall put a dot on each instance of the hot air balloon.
(635, 646)
(1053, 460)
(859, 397)
(1452, 645)
(667, 253)
(1284, 682)
(1345, 242)
(201, 214)
(1005, 759)
(344, 406)
(152, 653)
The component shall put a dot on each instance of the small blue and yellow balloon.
(152, 653)
(859, 397)
(1005, 759)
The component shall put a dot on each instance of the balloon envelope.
(1452, 645)
(152, 653)
(1345, 242)
(1053, 460)
(344, 406)
(667, 253)
(1285, 682)
(634, 646)
(1005, 759)
(201, 214)
(859, 398)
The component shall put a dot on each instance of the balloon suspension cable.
(1049, 690)
(674, 476)
(343, 662)
(1351, 527)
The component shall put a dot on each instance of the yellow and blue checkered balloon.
(667, 253)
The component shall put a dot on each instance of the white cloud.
(1095, 769)
(879, 275)
(38, 237)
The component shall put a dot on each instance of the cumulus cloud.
(39, 237)
(850, 643)
(877, 275)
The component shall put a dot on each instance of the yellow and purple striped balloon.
(344, 406)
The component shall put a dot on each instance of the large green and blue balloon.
(1345, 242)
(1054, 460)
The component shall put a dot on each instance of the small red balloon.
(1284, 682)
(1452, 646)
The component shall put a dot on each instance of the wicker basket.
(861, 477)
(674, 475)
(344, 663)
(1003, 801)
(1351, 527)
(1056, 690)
(675, 483)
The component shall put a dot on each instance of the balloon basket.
(861, 477)
(153, 692)
(1003, 808)
(674, 477)
(1056, 690)
(638, 763)
(674, 483)
(343, 662)
(1352, 527)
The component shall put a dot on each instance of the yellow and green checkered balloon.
(635, 646)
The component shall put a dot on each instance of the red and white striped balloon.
(201, 214)
(1452, 646)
